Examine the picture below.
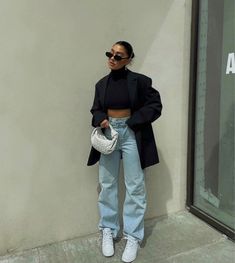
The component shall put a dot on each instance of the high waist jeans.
(135, 197)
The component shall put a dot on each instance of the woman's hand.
(104, 124)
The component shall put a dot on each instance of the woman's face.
(121, 51)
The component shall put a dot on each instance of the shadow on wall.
(140, 23)
(159, 192)
(159, 188)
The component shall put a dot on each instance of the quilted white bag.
(101, 143)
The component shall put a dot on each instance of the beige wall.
(51, 55)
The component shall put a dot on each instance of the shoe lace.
(107, 236)
(131, 242)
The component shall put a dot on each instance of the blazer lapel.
(103, 90)
(132, 87)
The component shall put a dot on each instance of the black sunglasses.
(116, 57)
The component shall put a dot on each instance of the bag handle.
(113, 132)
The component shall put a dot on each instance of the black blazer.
(145, 107)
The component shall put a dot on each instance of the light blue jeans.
(135, 198)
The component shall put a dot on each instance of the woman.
(127, 101)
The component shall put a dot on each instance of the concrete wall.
(51, 55)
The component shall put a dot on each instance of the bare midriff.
(119, 113)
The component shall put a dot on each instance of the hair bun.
(128, 48)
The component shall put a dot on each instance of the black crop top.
(117, 96)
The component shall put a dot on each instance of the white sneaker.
(131, 249)
(107, 242)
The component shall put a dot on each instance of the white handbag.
(101, 143)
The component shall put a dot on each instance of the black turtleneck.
(117, 96)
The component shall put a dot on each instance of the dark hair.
(128, 48)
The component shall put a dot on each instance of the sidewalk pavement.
(178, 238)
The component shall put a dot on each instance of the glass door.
(212, 118)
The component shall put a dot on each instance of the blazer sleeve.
(97, 110)
(150, 108)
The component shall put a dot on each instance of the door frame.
(191, 129)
